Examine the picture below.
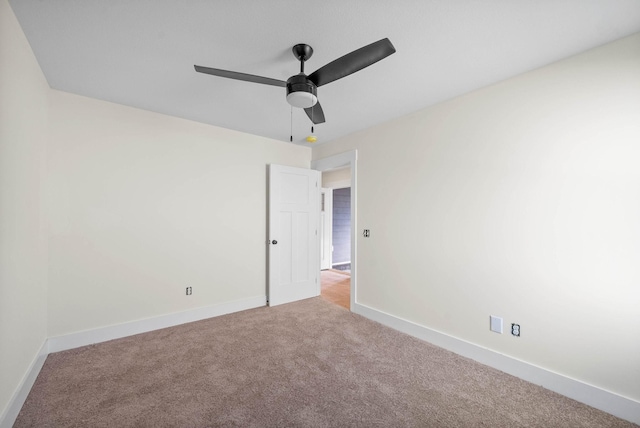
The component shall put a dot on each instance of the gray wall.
(341, 225)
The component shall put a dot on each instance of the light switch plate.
(496, 324)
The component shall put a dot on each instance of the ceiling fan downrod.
(302, 52)
(301, 92)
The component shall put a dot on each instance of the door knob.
(274, 242)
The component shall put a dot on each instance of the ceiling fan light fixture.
(302, 99)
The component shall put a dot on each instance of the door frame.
(326, 233)
(349, 159)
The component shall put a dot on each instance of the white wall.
(337, 178)
(143, 205)
(23, 265)
(107, 213)
(520, 200)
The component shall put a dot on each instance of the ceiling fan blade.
(240, 76)
(352, 62)
(315, 113)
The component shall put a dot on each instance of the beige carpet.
(305, 364)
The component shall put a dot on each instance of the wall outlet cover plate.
(496, 324)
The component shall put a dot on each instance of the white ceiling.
(141, 53)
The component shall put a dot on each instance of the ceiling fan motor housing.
(301, 92)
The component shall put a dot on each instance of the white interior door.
(326, 227)
(294, 262)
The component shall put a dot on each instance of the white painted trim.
(349, 159)
(593, 396)
(326, 227)
(22, 391)
(103, 334)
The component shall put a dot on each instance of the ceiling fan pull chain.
(291, 136)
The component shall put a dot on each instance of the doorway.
(335, 287)
(338, 283)
(335, 275)
(341, 229)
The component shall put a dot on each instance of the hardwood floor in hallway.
(336, 287)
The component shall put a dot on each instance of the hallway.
(336, 287)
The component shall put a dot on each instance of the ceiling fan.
(302, 89)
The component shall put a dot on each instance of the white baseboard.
(103, 334)
(9, 416)
(88, 337)
(83, 338)
(609, 402)
(606, 401)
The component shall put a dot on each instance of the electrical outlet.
(189, 291)
(515, 329)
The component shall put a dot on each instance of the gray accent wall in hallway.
(341, 226)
